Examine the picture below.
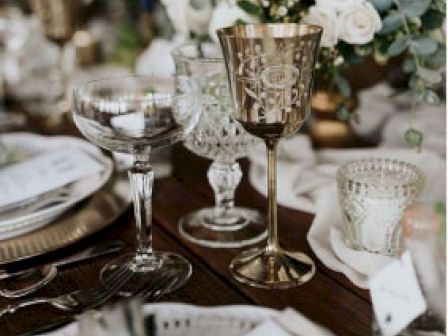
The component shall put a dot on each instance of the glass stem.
(141, 176)
(271, 146)
(224, 178)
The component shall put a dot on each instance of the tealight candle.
(373, 194)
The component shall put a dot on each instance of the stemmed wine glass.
(132, 115)
(58, 19)
(219, 137)
(270, 71)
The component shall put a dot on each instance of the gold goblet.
(58, 18)
(270, 70)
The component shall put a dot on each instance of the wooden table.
(329, 298)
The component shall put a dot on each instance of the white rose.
(358, 23)
(176, 10)
(156, 60)
(226, 14)
(325, 17)
(338, 5)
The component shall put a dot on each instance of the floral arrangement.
(352, 30)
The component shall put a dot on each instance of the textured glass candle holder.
(373, 194)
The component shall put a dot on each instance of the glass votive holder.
(373, 194)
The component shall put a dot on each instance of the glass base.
(281, 269)
(240, 227)
(144, 270)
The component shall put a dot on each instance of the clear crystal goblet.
(270, 70)
(218, 137)
(132, 115)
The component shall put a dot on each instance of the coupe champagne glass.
(270, 71)
(132, 115)
(219, 137)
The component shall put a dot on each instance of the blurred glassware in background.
(12, 35)
(45, 74)
(221, 138)
(34, 81)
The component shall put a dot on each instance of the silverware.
(47, 273)
(126, 317)
(160, 286)
(78, 300)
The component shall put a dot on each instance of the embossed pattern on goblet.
(219, 137)
(270, 77)
(373, 194)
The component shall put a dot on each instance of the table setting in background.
(272, 167)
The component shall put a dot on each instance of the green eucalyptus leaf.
(432, 19)
(382, 5)
(414, 81)
(240, 22)
(342, 112)
(408, 65)
(249, 7)
(398, 47)
(438, 59)
(348, 52)
(440, 208)
(391, 23)
(343, 85)
(432, 98)
(429, 75)
(423, 46)
(414, 8)
(199, 4)
(414, 138)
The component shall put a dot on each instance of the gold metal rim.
(260, 31)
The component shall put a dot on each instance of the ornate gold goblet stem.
(271, 146)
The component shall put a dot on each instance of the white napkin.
(44, 172)
(289, 323)
(308, 184)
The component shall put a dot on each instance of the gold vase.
(326, 130)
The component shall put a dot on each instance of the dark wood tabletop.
(328, 299)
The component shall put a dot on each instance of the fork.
(159, 286)
(80, 299)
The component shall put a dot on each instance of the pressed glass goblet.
(270, 71)
(373, 194)
(132, 115)
(219, 137)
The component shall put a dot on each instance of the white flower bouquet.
(353, 30)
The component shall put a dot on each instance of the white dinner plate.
(28, 144)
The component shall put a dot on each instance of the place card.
(396, 296)
(45, 172)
